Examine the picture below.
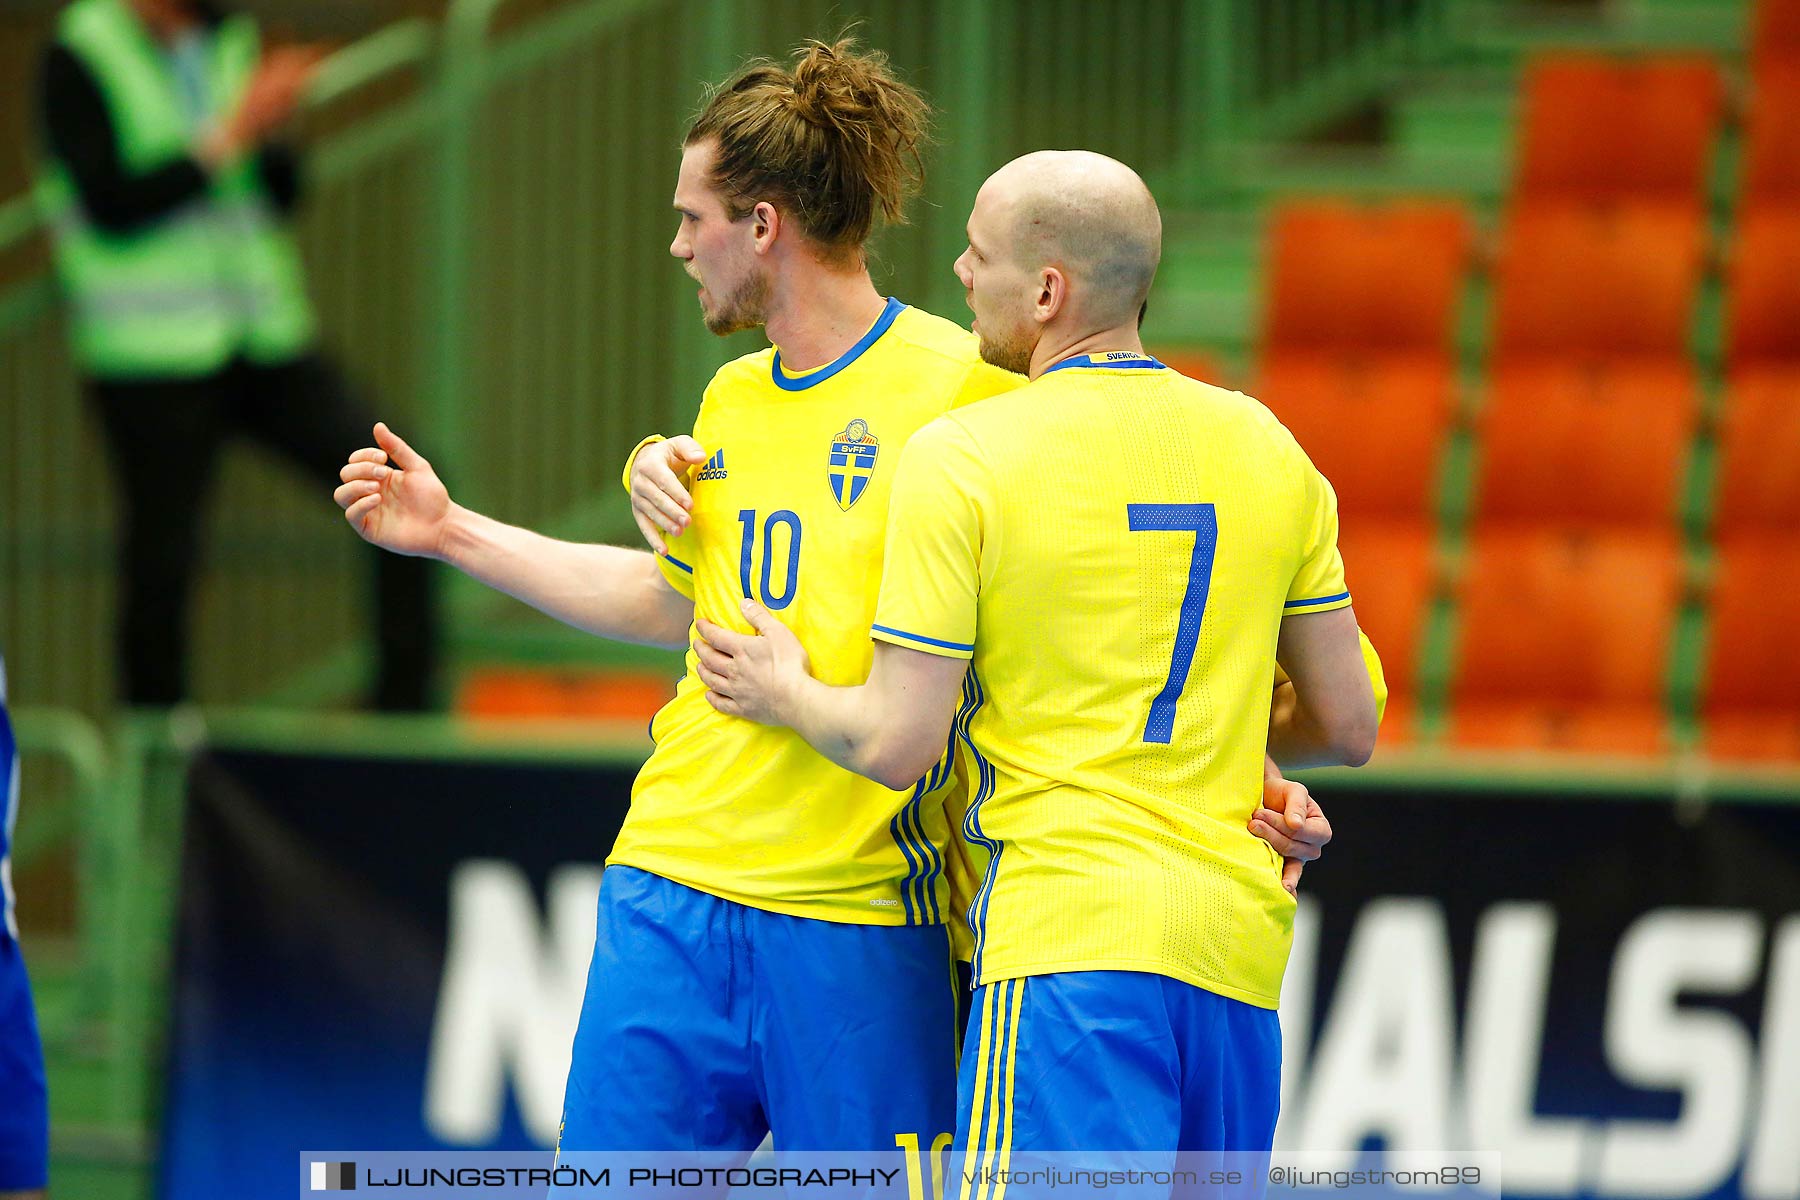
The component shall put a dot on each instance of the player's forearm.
(1293, 744)
(605, 590)
(1300, 738)
(849, 726)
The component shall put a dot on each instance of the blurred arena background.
(1524, 278)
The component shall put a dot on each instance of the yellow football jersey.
(791, 508)
(1114, 547)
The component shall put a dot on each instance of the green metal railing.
(83, 817)
(71, 798)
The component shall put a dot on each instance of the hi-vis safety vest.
(218, 277)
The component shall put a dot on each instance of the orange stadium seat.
(1365, 280)
(1586, 443)
(1604, 130)
(1751, 706)
(1776, 34)
(1374, 426)
(1595, 282)
(1771, 171)
(1761, 324)
(1759, 452)
(1564, 640)
(1390, 566)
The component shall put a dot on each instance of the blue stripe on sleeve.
(1317, 600)
(676, 562)
(914, 637)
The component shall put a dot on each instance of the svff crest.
(852, 462)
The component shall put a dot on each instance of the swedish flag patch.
(853, 454)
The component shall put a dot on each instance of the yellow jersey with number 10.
(791, 508)
(1115, 547)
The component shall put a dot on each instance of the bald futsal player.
(1110, 635)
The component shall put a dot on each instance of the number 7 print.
(1203, 522)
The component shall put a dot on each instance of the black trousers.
(165, 436)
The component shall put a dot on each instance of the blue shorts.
(24, 1117)
(708, 1023)
(1117, 1061)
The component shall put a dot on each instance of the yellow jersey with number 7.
(1114, 547)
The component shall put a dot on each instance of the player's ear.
(767, 226)
(1053, 294)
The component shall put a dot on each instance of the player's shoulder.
(952, 430)
(932, 336)
(1261, 438)
(1231, 402)
(738, 392)
(1246, 412)
(1218, 414)
(744, 372)
(942, 354)
(952, 447)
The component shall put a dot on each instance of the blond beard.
(1012, 354)
(745, 308)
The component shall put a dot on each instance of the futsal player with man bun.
(770, 947)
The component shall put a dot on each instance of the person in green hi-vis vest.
(168, 198)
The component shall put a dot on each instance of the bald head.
(1087, 214)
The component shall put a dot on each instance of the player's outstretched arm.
(1329, 718)
(891, 729)
(393, 499)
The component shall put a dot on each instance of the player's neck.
(816, 316)
(1055, 347)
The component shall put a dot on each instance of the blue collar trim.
(799, 383)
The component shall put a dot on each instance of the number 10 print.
(747, 550)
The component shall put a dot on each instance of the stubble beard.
(1012, 353)
(746, 308)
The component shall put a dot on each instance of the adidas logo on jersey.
(713, 468)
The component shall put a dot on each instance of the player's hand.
(1292, 822)
(660, 503)
(392, 497)
(751, 675)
